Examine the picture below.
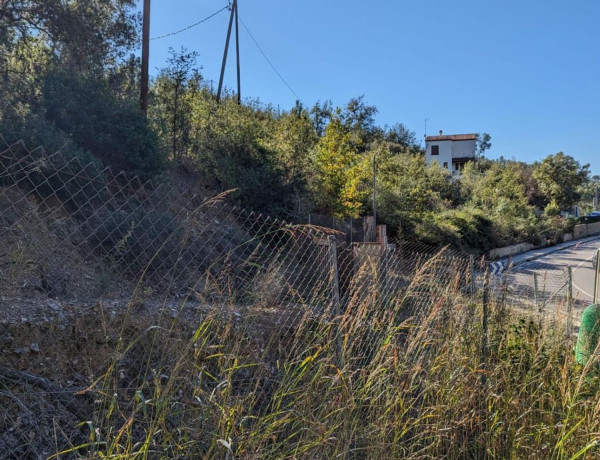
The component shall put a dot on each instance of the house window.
(435, 149)
(446, 164)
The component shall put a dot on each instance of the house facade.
(451, 151)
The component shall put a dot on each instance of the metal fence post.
(569, 325)
(596, 277)
(472, 275)
(485, 326)
(535, 291)
(334, 283)
(382, 275)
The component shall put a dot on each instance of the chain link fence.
(87, 255)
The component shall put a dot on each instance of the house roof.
(452, 137)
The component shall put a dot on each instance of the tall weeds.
(411, 383)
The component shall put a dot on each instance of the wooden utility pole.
(237, 52)
(145, 56)
(233, 10)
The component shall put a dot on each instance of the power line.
(193, 25)
(269, 61)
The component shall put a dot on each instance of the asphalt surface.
(538, 279)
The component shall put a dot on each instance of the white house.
(451, 151)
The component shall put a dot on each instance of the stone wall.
(508, 251)
(583, 230)
(580, 231)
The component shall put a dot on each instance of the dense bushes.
(114, 131)
(230, 153)
(82, 118)
(466, 229)
(65, 82)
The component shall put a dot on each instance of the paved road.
(578, 257)
(541, 284)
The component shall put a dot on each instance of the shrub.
(466, 229)
(114, 131)
(552, 209)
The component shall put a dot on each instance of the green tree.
(172, 98)
(484, 142)
(66, 82)
(408, 189)
(337, 163)
(85, 35)
(401, 139)
(499, 191)
(320, 115)
(588, 193)
(113, 131)
(358, 118)
(293, 138)
(224, 145)
(559, 176)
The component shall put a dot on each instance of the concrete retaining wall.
(580, 231)
(583, 230)
(593, 229)
(508, 251)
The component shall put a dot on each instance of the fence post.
(485, 326)
(597, 275)
(569, 325)
(472, 275)
(369, 230)
(501, 306)
(334, 283)
(535, 291)
(382, 276)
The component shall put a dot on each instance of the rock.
(53, 305)
(21, 351)
(35, 348)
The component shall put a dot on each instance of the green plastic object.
(589, 333)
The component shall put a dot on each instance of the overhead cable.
(193, 25)
(269, 61)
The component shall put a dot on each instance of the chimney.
(441, 132)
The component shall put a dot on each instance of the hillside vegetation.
(144, 322)
(70, 82)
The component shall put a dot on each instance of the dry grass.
(401, 383)
(257, 363)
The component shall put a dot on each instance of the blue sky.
(527, 72)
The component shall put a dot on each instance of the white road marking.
(575, 285)
(580, 245)
(582, 291)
